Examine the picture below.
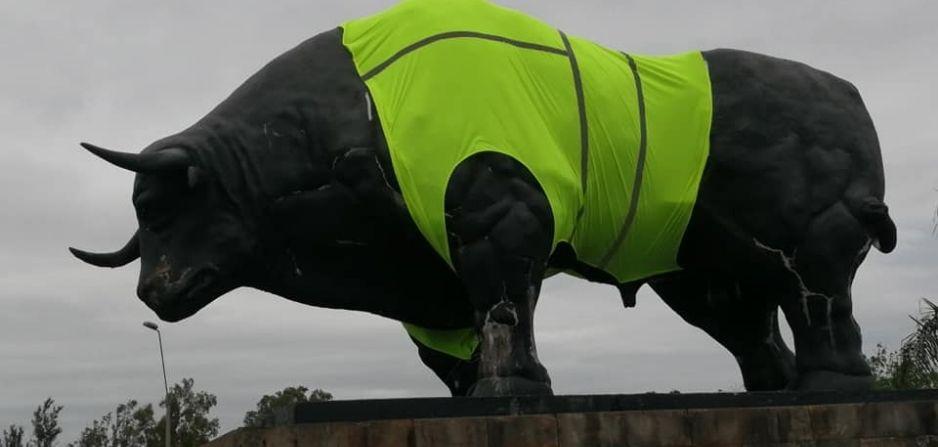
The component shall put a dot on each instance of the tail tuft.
(874, 214)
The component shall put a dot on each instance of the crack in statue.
(440, 191)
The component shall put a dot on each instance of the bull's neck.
(260, 161)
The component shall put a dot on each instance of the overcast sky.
(122, 74)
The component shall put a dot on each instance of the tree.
(189, 416)
(915, 364)
(133, 425)
(12, 437)
(270, 405)
(46, 423)
(97, 434)
(129, 425)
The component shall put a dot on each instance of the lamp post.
(152, 325)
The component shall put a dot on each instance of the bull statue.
(435, 162)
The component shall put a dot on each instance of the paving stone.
(322, 435)
(794, 424)
(580, 429)
(896, 419)
(455, 432)
(666, 427)
(836, 443)
(523, 431)
(891, 442)
(394, 433)
(734, 426)
(831, 422)
(662, 428)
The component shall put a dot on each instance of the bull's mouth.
(192, 295)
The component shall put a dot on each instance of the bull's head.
(191, 242)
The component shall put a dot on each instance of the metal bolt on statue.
(434, 170)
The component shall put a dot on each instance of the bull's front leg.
(500, 231)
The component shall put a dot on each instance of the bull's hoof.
(767, 369)
(509, 386)
(831, 381)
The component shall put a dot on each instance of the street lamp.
(152, 325)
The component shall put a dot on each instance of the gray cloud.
(123, 74)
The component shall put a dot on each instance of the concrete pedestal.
(908, 418)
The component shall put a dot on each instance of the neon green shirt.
(618, 142)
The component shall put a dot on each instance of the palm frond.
(918, 355)
(915, 364)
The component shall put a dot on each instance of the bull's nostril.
(149, 291)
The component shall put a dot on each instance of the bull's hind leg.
(500, 231)
(818, 302)
(738, 317)
(457, 374)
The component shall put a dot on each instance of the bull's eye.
(158, 199)
(152, 214)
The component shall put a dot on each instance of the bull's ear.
(119, 258)
(170, 159)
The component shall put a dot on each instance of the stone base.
(907, 418)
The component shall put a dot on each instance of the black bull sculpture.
(287, 187)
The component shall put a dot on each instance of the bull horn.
(163, 160)
(119, 258)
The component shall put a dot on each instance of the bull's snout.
(162, 297)
(159, 286)
(151, 290)
(175, 294)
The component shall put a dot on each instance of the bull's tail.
(874, 215)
